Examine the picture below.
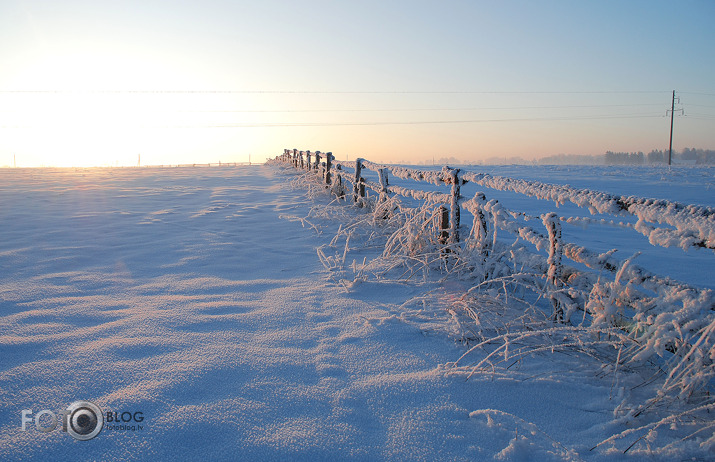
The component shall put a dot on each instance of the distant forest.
(687, 156)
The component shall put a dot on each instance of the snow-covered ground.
(195, 296)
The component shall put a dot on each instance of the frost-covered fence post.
(553, 277)
(358, 186)
(454, 204)
(295, 158)
(328, 163)
(479, 226)
(307, 156)
(382, 205)
(300, 154)
(316, 166)
(443, 224)
(383, 184)
(338, 186)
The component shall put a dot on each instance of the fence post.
(295, 158)
(328, 163)
(358, 187)
(300, 155)
(317, 161)
(454, 205)
(339, 183)
(308, 164)
(553, 276)
(383, 183)
(443, 224)
(479, 227)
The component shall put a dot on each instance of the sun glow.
(81, 110)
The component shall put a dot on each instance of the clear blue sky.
(385, 80)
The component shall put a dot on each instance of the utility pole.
(672, 116)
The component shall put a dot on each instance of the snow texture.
(195, 296)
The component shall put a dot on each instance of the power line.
(270, 111)
(698, 116)
(325, 92)
(701, 105)
(696, 93)
(424, 109)
(424, 122)
(429, 122)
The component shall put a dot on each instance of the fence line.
(642, 315)
(694, 226)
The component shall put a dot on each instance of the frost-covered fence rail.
(694, 225)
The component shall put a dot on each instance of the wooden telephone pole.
(672, 116)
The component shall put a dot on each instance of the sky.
(87, 83)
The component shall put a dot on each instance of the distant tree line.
(657, 156)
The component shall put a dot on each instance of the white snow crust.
(195, 295)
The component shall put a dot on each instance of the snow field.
(196, 296)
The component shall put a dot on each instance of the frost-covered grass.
(651, 336)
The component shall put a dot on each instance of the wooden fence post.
(339, 183)
(328, 163)
(383, 183)
(302, 164)
(454, 205)
(553, 276)
(479, 227)
(358, 186)
(317, 161)
(443, 224)
(308, 164)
